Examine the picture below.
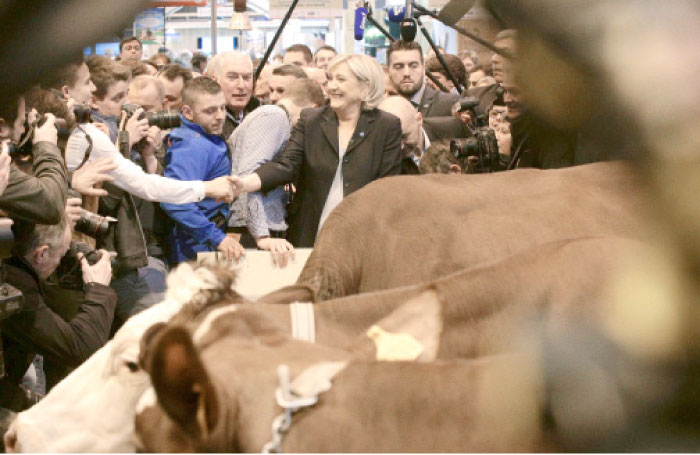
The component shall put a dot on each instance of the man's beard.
(410, 92)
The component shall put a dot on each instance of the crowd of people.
(133, 166)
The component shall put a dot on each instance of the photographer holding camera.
(36, 328)
(41, 196)
(139, 275)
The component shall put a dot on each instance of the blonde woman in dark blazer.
(334, 150)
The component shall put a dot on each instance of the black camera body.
(479, 152)
(69, 274)
(81, 112)
(162, 119)
(24, 148)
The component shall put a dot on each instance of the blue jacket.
(193, 154)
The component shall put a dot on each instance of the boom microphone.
(408, 29)
(360, 18)
(396, 14)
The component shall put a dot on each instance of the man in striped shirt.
(258, 217)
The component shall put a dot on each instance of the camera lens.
(164, 119)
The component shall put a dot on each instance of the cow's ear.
(146, 344)
(181, 382)
(411, 332)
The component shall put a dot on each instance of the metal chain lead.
(290, 404)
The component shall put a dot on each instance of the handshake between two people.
(229, 187)
(281, 250)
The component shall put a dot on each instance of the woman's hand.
(282, 251)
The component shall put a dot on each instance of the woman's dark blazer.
(310, 161)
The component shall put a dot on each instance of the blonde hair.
(365, 69)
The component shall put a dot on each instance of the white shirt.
(335, 195)
(128, 175)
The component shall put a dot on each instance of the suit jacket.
(435, 103)
(310, 160)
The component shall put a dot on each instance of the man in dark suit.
(407, 73)
(418, 133)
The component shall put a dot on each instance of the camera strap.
(86, 157)
(518, 152)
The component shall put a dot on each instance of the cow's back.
(411, 229)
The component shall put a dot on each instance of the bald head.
(234, 72)
(411, 123)
(318, 75)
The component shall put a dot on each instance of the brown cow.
(220, 397)
(407, 229)
(481, 311)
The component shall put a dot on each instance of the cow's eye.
(132, 366)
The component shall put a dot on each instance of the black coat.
(37, 329)
(435, 103)
(310, 160)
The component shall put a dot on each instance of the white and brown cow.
(422, 232)
(220, 394)
(478, 307)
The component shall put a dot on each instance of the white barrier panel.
(257, 275)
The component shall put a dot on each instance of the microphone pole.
(439, 56)
(268, 51)
(374, 22)
(465, 32)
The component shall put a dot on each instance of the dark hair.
(198, 86)
(454, 63)
(173, 70)
(67, 75)
(197, 59)
(304, 49)
(129, 39)
(401, 45)
(438, 158)
(107, 74)
(10, 110)
(303, 92)
(289, 69)
(160, 56)
(48, 101)
(137, 68)
(325, 48)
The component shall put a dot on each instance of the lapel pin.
(362, 134)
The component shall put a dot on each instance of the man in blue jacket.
(196, 151)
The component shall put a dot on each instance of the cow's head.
(215, 390)
(92, 410)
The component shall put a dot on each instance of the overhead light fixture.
(239, 19)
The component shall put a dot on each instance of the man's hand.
(220, 188)
(137, 129)
(154, 139)
(73, 210)
(282, 251)
(46, 132)
(92, 173)
(247, 184)
(5, 162)
(231, 248)
(101, 272)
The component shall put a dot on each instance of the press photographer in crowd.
(36, 328)
(139, 277)
(41, 196)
